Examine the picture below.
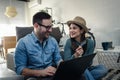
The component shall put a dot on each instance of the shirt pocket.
(33, 52)
(34, 56)
(49, 51)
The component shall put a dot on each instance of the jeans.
(95, 72)
(88, 75)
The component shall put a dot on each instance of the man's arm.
(49, 71)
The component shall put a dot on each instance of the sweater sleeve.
(67, 51)
(90, 47)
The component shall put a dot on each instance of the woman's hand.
(79, 52)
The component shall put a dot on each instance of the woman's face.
(74, 31)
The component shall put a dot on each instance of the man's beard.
(46, 35)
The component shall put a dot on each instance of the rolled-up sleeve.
(67, 51)
(20, 57)
(57, 56)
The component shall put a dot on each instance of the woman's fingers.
(79, 51)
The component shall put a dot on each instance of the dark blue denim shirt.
(30, 53)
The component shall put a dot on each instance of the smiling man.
(38, 52)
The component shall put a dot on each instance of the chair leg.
(1, 51)
(5, 54)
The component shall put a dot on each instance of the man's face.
(45, 28)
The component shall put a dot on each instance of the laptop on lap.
(73, 69)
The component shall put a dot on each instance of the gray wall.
(7, 25)
(20, 6)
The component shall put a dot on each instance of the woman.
(78, 45)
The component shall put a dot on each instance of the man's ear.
(36, 25)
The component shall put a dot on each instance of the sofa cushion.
(22, 31)
(56, 33)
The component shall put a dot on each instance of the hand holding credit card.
(79, 50)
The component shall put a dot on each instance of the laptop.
(73, 69)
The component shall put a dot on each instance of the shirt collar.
(34, 37)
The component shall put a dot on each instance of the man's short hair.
(39, 16)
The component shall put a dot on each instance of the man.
(37, 52)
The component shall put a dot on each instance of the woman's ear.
(82, 31)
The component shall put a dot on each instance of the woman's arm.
(67, 51)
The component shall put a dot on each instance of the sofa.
(22, 31)
(56, 33)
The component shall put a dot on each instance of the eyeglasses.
(47, 27)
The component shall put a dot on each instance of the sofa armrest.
(13, 77)
(10, 61)
(95, 60)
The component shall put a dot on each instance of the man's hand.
(49, 71)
